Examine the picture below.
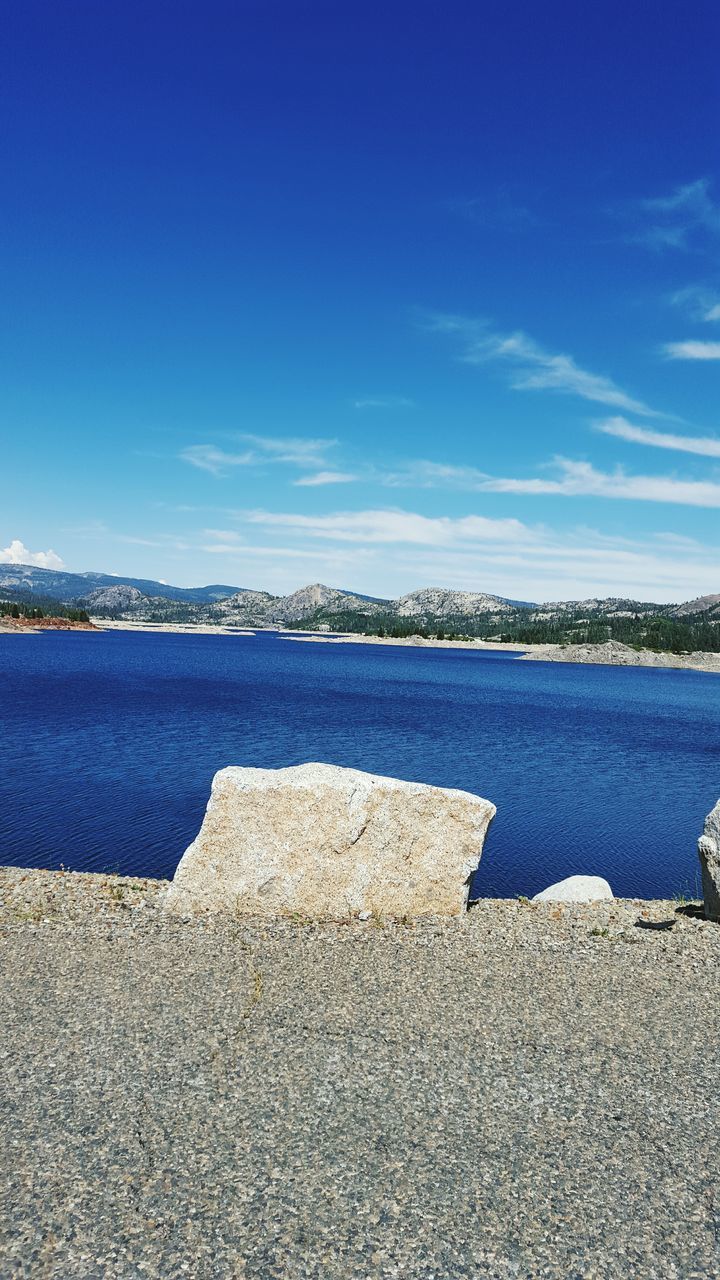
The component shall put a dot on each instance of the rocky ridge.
(614, 654)
(677, 629)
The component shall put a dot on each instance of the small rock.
(709, 851)
(577, 889)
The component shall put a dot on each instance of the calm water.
(108, 744)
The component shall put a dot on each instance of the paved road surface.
(515, 1097)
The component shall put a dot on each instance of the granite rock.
(330, 843)
(709, 851)
(576, 889)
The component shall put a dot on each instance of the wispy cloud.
(420, 473)
(582, 479)
(388, 526)
(498, 208)
(578, 479)
(705, 446)
(300, 451)
(207, 457)
(324, 477)
(383, 402)
(692, 350)
(294, 451)
(17, 553)
(683, 219)
(534, 368)
(476, 553)
(700, 302)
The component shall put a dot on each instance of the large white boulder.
(329, 843)
(709, 851)
(576, 889)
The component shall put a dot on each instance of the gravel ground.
(530, 1093)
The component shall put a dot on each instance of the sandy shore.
(531, 1092)
(610, 653)
(413, 642)
(173, 628)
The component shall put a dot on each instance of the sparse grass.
(30, 914)
(297, 917)
(689, 893)
(597, 932)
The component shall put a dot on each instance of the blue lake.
(108, 744)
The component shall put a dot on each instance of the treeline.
(646, 631)
(662, 634)
(47, 609)
(155, 609)
(381, 624)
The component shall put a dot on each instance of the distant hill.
(28, 581)
(703, 604)
(262, 609)
(437, 602)
(430, 611)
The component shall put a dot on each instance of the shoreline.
(609, 653)
(413, 642)
(606, 653)
(173, 628)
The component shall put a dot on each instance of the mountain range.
(56, 584)
(428, 608)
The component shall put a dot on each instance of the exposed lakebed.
(108, 744)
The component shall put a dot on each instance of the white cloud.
(423, 474)
(385, 525)
(473, 553)
(17, 553)
(207, 457)
(299, 451)
(699, 301)
(325, 477)
(383, 402)
(705, 446)
(572, 478)
(290, 450)
(680, 220)
(537, 369)
(581, 479)
(692, 350)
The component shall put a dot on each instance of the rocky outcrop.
(576, 889)
(330, 843)
(263, 609)
(701, 604)
(305, 602)
(709, 851)
(612, 653)
(439, 602)
(116, 598)
(248, 608)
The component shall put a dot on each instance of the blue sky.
(382, 295)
